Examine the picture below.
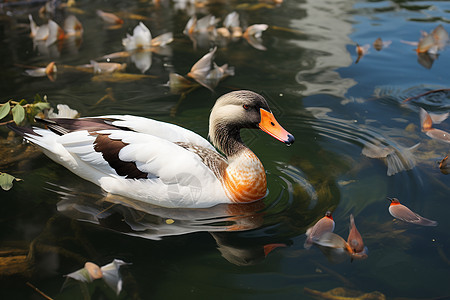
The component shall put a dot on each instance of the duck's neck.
(244, 178)
(227, 139)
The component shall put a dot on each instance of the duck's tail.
(22, 131)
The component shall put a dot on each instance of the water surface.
(337, 109)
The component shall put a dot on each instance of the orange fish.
(333, 246)
(401, 212)
(109, 17)
(49, 71)
(426, 44)
(354, 237)
(325, 224)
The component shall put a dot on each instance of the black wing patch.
(63, 126)
(110, 151)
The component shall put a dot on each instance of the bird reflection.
(239, 253)
(148, 221)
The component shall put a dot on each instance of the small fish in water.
(401, 212)
(325, 224)
(379, 44)
(427, 44)
(426, 122)
(344, 294)
(121, 77)
(355, 241)
(444, 166)
(335, 246)
(49, 71)
(131, 16)
(106, 67)
(354, 237)
(109, 18)
(361, 51)
(431, 42)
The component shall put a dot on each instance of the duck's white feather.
(166, 131)
(176, 177)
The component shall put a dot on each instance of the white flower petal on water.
(141, 38)
(64, 111)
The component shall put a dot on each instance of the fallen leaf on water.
(121, 77)
(444, 166)
(6, 181)
(344, 294)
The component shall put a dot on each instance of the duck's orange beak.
(270, 125)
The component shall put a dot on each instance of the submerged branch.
(39, 291)
(424, 94)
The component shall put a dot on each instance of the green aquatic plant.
(19, 112)
(22, 111)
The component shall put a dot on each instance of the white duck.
(162, 163)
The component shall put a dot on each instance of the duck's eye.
(245, 106)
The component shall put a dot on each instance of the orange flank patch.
(245, 179)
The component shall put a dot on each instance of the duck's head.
(243, 109)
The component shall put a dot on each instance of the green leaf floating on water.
(6, 181)
(18, 114)
(4, 110)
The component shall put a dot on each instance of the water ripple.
(374, 145)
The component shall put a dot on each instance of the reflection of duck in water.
(237, 252)
(145, 159)
(153, 222)
(148, 221)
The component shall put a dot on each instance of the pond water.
(338, 108)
